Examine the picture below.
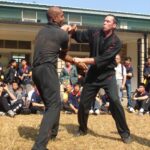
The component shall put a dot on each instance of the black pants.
(89, 93)
(46, 79)
(6, 106)
(138, 104)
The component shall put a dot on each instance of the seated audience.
(65, 102)
(105, 103)
(74, 99)
(36, 105)
(11, 102)
(95, 108)
(140, 100)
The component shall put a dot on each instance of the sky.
(129, 6)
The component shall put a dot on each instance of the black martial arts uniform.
(101, 75)
(48, 43)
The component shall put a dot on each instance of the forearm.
(124, 81)
(88, 60)
(142, 98)
(13, 97)
(129, 74)
(73, 108)
(65, 57)
(38, 105)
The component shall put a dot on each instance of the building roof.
(72, 9)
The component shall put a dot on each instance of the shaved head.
(53, 12)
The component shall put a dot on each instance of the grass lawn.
(20, 132)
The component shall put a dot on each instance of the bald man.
(51, 43)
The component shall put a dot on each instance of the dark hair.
(12, 61)
(115, 18)
(128, 58)
(142, 84)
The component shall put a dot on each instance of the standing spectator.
(140, 100)
(69, 75)
(25, 73)
(11, 72)
(147, 74)
(1, 73)
(129, 70)
(120, 76)
(74, 99)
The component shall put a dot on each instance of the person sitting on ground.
(65, 102)
(105, 103)
(36, 105)
(11, 101)
(140, 98)
(74, 99)
(95, 109)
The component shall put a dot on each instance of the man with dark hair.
(25, 73)
(104, 46)
(11, 73)
(129, 70)
(146, 74)
(51, 43)
(140, 100)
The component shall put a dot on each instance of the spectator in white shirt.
(120, 76)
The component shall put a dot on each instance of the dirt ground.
(20, 132)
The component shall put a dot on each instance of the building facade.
(20, 22)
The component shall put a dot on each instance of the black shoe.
(53, 138)
(127, 140)
(80, 133)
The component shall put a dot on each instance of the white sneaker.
(91, 111)
(97, 112)
(131, 109)
(2, 113)
(141, 110)
(10, 113)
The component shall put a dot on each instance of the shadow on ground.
(72, 129)
(29, 133)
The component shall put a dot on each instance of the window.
(15, 44)
(75, 19)
(18, 57)
(75, 47)
(123, 25)
(29, 16)
(10, 44)
(24, 44)
(85, 48)
(1, 43)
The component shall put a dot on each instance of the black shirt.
(102, 49)
(49, 41)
